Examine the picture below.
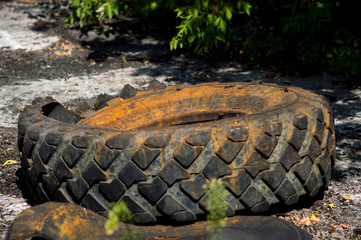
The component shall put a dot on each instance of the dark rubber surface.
(275, 156)
(56, 221)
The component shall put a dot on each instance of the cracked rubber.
(271, 145)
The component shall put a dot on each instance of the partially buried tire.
(270, 144)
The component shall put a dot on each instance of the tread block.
(93, 173)
(229, 150)
(216, 168)
(327, 141)
(62, 196)
(105, 156)
(323, 162)
(330, 124)
(24, 161)
(91, 201)
(156, 142)
(130, 173)
(260, 207)
(71, 155)
(274, 176)
(28, 147)
(296, 138)
(144, 217)
(286, 191)
(41, 193)
(313, 184)
(118, 141)
(256, 163)
(140, 214)
(204, 202)
(38, 165)
(194, 187)
(300, 121)
(184, 216)
(239, 183)
(77, 187)
(238, 134)
(32, 176)
(172, 172)
(302, 169)
(317, 130)
(112, 189)
(313, 150)
(198, 139)
(251, 197)
(133, 205)
(289, 157)
(172, 207)
(54, 138)
(46, 151)
(82, 141)
(152, 190)
(144, 156)
(186, 154)
(318, 114)
(266, 145)
(273, 129)
(62, 172)
(34, 132)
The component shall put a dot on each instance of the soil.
(44, 58)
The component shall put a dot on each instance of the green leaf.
(205, 3)
(247, 7)
(108, 10)
(115, 8)
(216, 22)
(228, 14)
(153, 6)
(223, 26)
(211, 18)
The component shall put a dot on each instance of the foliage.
(120, 213)
(216, 206)
(304, 34)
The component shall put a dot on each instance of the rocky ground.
(39, 57)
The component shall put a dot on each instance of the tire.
(271, 145)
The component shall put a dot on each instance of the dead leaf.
(347, 198)
(10, 149)
(343, 226)
(331, 205)
(62, 53)
(333, 226)
(306, 221)
(315, 213)
(313, 218)
(10, 162)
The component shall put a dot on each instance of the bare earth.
(39, 57)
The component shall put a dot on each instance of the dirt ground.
(43, 58)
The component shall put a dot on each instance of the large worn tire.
(269, 144)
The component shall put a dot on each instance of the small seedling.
(120, 213)
(216, 207)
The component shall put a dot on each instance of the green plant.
(120, 213)
(216, 206)
(300, 34)
(204, 24)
